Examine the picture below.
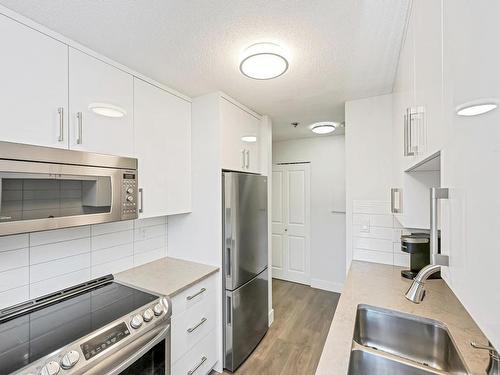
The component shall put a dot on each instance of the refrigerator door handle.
(228, 262)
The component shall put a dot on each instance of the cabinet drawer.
(200, 359)
(200, 292)
(191, 326)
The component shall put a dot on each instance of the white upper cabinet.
(33, 86)
(239, 138)
(471, 159)
(427, 16)
(162, 143)
(93, 82)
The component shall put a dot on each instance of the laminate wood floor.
(293, 344)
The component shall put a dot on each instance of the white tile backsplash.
(58, 235)
(17, 241)
(376, 234)
(14, 296)
(57, 250)
(14, 278)
(39, 263)
(14, 259)
(61, 281)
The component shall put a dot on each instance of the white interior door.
(291, 222)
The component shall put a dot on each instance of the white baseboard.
(327, 285)
(271, 317)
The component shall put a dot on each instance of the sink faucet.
(416, 292)
(494, 364)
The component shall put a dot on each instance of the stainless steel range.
(98, 327)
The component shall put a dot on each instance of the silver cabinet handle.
(436, 258)
(247, 165)
(79, 117)
(60, 111)
(191, 372)
(408, 124)
(202, 290)
(396, 192)
(203, 320)
(141, 200)
(243, 158)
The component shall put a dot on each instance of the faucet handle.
(492, 350)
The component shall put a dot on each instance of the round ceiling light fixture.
(476, 107)
(324, 127)
(107, 110)
(263, 61)
(249, 138)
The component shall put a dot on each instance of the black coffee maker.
(418, 246)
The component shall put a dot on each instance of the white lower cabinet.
(199, 360)
(194, 322)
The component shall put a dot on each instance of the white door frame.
(283, 230)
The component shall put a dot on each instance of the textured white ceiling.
(340, 49)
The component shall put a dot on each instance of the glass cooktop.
(31, 336)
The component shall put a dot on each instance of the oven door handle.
(140, 352)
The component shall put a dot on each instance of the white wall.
(34, 264)
(368, 156)
(326, 155)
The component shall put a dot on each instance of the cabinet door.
(162, 139)
(250, 144)
(33, 86)
(402, 99)
(93, 82)
(428, 72)
(470, 160)
(237, 125)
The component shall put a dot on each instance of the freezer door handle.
(229, 310)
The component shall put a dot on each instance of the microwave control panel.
(129, 195)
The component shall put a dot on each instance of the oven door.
(147, 355)
(41, 196)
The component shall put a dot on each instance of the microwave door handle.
(141, 200)
(139, 353)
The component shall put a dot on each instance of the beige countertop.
(166, 276)
(382, 286)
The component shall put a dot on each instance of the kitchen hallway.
(294, 342)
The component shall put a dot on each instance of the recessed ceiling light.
(263, 61)
(323, 127)
(107, 110)
(476, 107)
(249, 138)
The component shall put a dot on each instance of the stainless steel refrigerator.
(245, 302)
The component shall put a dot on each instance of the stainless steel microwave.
(44, 188)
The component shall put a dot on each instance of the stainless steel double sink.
(393, 343)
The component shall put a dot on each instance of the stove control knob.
(148, 315)
(158, 309)
(136, 321)
(51, 368)
(130, 190)
(70, 359)
(130, 198)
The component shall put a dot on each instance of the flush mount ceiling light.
(263, 61)
(249, 138)
(323, 127)
(107, 110)
(476, 107)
